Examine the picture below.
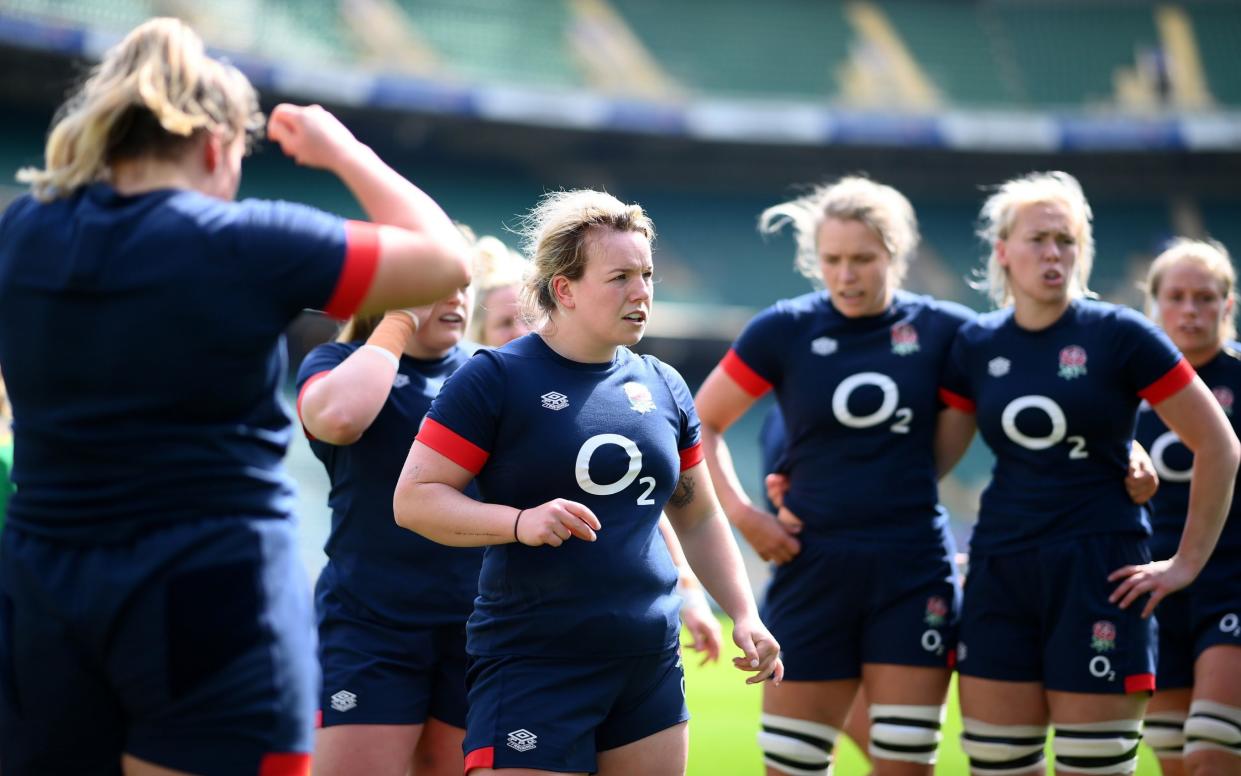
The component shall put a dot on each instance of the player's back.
(139, 337)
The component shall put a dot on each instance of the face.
(502, 321)
(611, 302)
(1192, 307)
(441, 325)
(855, 266)
(1040, 253)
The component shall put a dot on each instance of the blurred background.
(706, 112)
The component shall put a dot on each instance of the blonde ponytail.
(149, 96)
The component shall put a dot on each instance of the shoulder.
(939, 312)
(985, 325)
(324, 357)
(1124, 320)
(666, 372)
(787, 314)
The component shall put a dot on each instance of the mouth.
(852, 295)
(637, 316)
(1053, 277)
(452, 319)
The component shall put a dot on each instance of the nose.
(641, 289)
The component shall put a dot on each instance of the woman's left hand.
(1141, 481)
(704, 629)
(1160, 578)
(762, 651)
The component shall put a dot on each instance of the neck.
(1197, 358)
(1036, 316)
(139, 176)
(571, 343)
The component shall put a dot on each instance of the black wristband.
(515, 522)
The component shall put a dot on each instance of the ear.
(1001, 253)
(562, 292)
(212, 153)
(1229, 306)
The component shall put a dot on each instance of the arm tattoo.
(684, 492)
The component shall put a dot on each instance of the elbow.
(403, 511)
(336, 429)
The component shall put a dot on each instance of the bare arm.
(954, 430)
(720, 402)
(429, 501)
(696, 614)
(1195, 416)
(712, 552)
(422, 256)
(339, 407)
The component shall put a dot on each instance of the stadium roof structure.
(991, 75)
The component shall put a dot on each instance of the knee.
(1098, 747)
(1213, 727)
(907, 733)
(1003, 750)
(797, 747)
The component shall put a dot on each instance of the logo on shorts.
(936, 611)
(1072, 362)
(640, 398)
(344, 701)
(823, 346)
(522, 740)
(555, 401)
(904, 339)
(1103, 636)
(1223, 394)
(999, 366)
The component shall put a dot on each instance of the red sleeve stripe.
(1140, 683)
(956, 401)
(452, 446)
(691, 456)
(480, 758)
(1170, 384)
(741, 373)
(361, 262)
(302, 394)
(285, 764)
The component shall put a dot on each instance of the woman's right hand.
(309, 134)
(769, 538)
(554, 523)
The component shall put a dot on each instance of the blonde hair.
(1212, 256)
(495, 266)
(882, 208)
(999, 215)
(556, 232)
(152, 94)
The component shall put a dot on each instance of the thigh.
(215, 662)
(1003, 703)
(1217, 675)
(58, 713)
(905, 685)
(660, 754)
(382, 750)
(439, 750)
(537, 713)
(814, 610)
(827, 703)
(375, 673)
(914, 611)
(652, 700)
(1092, 646)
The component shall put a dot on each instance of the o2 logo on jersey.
(1055, 415)
(1159, 452)
(887, 408)
(582, 468)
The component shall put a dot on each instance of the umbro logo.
(555, 400)
(823, 346)
(344, 701)
(522, 740)
(400, 381)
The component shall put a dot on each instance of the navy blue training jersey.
(141, 343)
(534, 426)
(1057, 407)
(1174, 462)
(378, 566)
(859, 400)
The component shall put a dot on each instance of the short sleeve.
(317, 364)
(753, 362)
(306, 257)
(462, 422)
(954, 384)
(689, 432)
(1149, 362)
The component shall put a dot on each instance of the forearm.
(1210, 496)
(719, 460)
(713, 555)
(447, 516)
(389, 198)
